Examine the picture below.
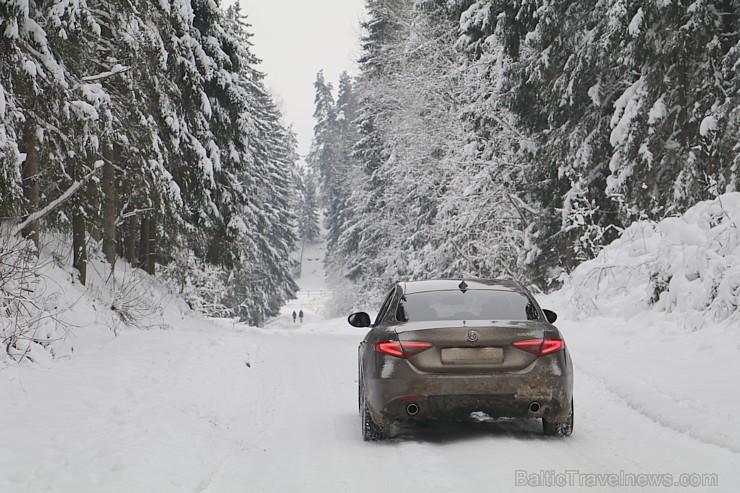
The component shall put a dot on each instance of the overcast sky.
(297, 38)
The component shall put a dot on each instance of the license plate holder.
(472, 356)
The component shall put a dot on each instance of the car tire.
(359, 392)
(559, 429)
(370, 430)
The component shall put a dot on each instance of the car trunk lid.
(472, 346)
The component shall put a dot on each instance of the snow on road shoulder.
(682, 381)
(655, 315)
(147, 396)
(145, 411)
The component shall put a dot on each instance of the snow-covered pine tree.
(559, 83)
(273, 149)
(669, 135)
(35, 88)
(346, 166)
(324, 155)
(479, 221)
(148, 203)
(433, 199)
(622, 105)
(263, 225)
(358, 252)
(423, 140)
(308, 218)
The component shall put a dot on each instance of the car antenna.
(463, 286)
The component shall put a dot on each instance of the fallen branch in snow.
(56, 202)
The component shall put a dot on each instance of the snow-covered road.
(229, 409)
(307, 437)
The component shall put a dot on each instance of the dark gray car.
(443, 349)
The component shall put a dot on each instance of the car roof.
(411, 287)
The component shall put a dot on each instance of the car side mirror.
(359, 319)
(551, 316)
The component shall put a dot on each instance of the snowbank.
(688, 266)
(654, 318)
(46, 307)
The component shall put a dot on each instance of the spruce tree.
(309, 208)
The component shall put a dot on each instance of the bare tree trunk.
(78, 244)
(110, 212)
(150, 265)
(93, 198)
(31, 187)
(79, 233)
(133, 229)
(144, 243)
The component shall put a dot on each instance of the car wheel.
(370, 430)
(559, 429)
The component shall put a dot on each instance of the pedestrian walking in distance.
(300, 315)
(294, 316)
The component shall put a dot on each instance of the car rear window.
(468, 305)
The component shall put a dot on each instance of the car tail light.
(540, 347)
(402, 349)
(552, 346)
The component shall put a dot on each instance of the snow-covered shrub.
(346, 298)
(201, 285)
(688, 265)
(30, 326)
(130, 295)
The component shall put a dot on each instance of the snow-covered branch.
(118, 69)
(56, 202)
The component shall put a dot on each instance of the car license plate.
(473, 356)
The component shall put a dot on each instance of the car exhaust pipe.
(534, 407)
(412, 409)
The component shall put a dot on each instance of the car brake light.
(402, 349)
(551, 346)
(393, 348)
(540, 347)
(533, 347)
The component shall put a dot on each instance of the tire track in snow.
(303, 444)
(657, 417)
(262, 398)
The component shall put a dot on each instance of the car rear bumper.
(454, 407)
(548, 383)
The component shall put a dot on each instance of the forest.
(517, 138)
(143, 131)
